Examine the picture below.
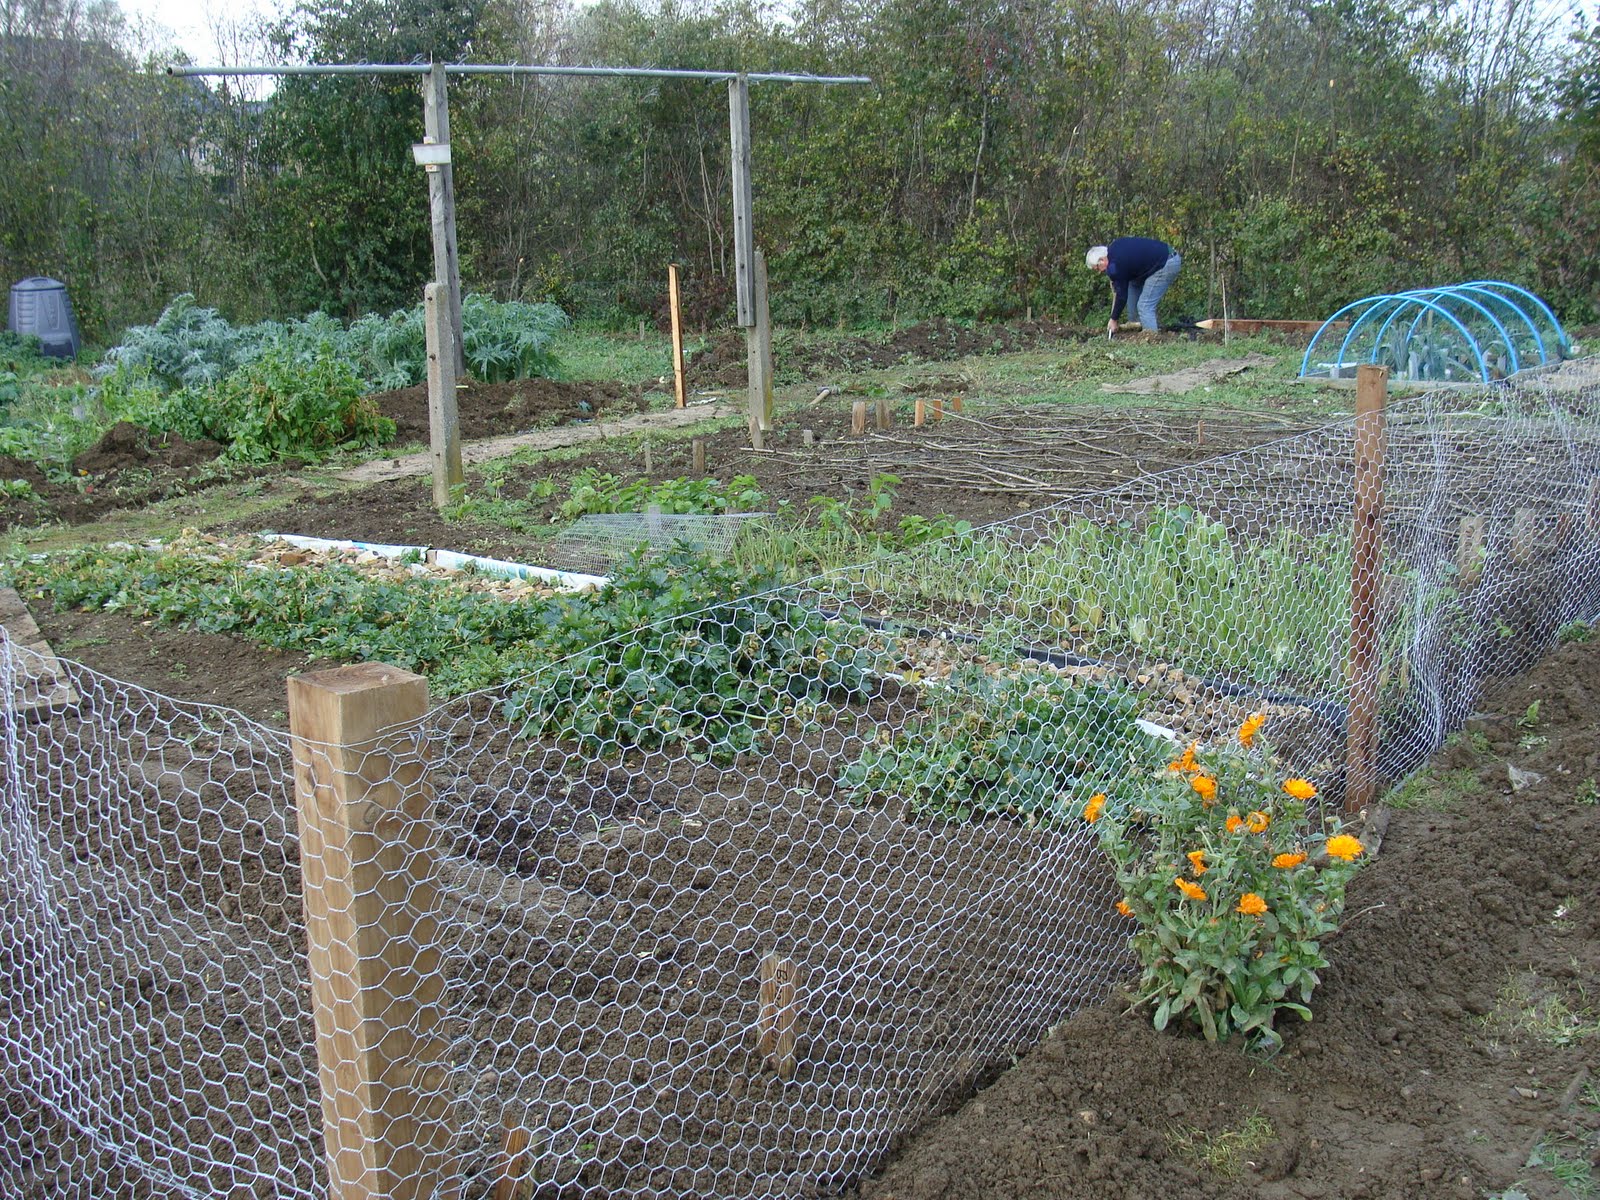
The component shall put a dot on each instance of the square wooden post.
(444, 424)
(1361, 748)
(680, 392)
(368, 869)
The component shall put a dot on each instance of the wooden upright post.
(369, 874)
(744, 243)
(444, 428)
(758, 350)
(680, 393)
(1361, 749)
(442, 203)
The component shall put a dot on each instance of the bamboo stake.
(680, 389)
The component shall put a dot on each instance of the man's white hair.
(1096, 256)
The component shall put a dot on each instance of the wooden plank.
(680, 390)
(1365, 584)
(778, 1016)
(369, 867)
(1262, 325)
(40, 685)
(444, 426)
(513, 1166)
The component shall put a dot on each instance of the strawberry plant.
(987, 745)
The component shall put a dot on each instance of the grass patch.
(591, 354)
(1531, 1009)
(1224, 1154)
(1436, 790)
(1567, 1158)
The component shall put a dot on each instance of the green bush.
(281, 406)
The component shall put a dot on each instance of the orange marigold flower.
(1344, 846)
(1235, 822)
(1284, 861)
(1197, 861)
(1192, 890)
(1252, 726)
(1186, 762)
(1092, 810)
(1207, 787)
(1124, 908)
(1251, 905)
(1257, 822)
(1300, 789)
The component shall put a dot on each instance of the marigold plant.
(1229, 957)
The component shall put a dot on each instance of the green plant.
(1530, 716)
(1575, 631)
(984, 745)
(1588, 792)
(594, 491)
(280, 406)
(1232, 884)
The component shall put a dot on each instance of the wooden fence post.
(858, 417)
(1372, 390)
(368, 872)
(680, 390)
(444, 425)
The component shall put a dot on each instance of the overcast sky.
(191, 22)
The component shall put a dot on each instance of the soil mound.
(491, 409)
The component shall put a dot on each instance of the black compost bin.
(40, 306)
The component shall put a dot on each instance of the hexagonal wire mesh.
(724, 906)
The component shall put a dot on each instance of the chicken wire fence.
(724, 906)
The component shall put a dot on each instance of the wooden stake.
(649, 462)
(1523, 524)
(513, 1165)
(680, 390)
(858, 417)
(444, 429)
(808, 439)
(955, 404)
(776, 1023)
(697, 452)
(1470, 536)
(938, 408)
(921, 415)
(1372, 389)
(368, 866)
(763, 341)
(882, 414)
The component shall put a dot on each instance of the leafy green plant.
(281, 405)
(594, 491)
(675, 651)
(680, 652)
(1231, 883)
(985, 746)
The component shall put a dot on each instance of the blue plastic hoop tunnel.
(1481, 330)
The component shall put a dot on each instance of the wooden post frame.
(444, 426)
(680, 391)
(368, 868)
(442, 203)
(1361, 757)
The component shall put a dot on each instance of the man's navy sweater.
(1133, 260)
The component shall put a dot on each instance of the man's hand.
(1111, 328)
